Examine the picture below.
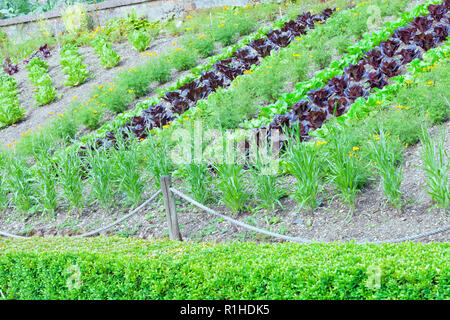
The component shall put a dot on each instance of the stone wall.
(23, 27)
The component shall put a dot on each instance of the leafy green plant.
(199, 179)
(139, 39)
(72, 65)
(265, 184)
(231, 184)
(385, 160)
(436, 164)
(47, 186)
(20, 182)
(304, 162)
(127, 170)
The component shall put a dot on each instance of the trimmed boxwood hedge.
(118, 268)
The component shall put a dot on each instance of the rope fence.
(174, 231)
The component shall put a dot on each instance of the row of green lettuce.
(355, 52)
(115, 268)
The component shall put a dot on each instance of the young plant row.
(10, 110)
(134, 83)
(11, 68)
(200, 42)
(343, 18)
(72, 65)
(38, 76)
(180, 100)
(407, 124)
(41, 268)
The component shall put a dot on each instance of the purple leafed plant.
(356, 71)
(389, 47)
(409, 53)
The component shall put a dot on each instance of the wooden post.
(171, 213)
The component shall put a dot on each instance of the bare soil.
(373, 219)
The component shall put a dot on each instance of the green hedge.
(118, 268)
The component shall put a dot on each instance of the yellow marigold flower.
(103, 105)
(350, 154)
(196, 50)
(427, 115)
(100, 86)
(311, 56)
(408, 82)
(355, 148)
(188, 17)
(165, 126)
(94, 112)
(60, 115)
(74, 98)
(430, 82)
(130, 91)
(187, 118)
(296, 55)
(9, 144)
(39, 127)
(355, 14)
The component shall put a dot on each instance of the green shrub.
(114, 268)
